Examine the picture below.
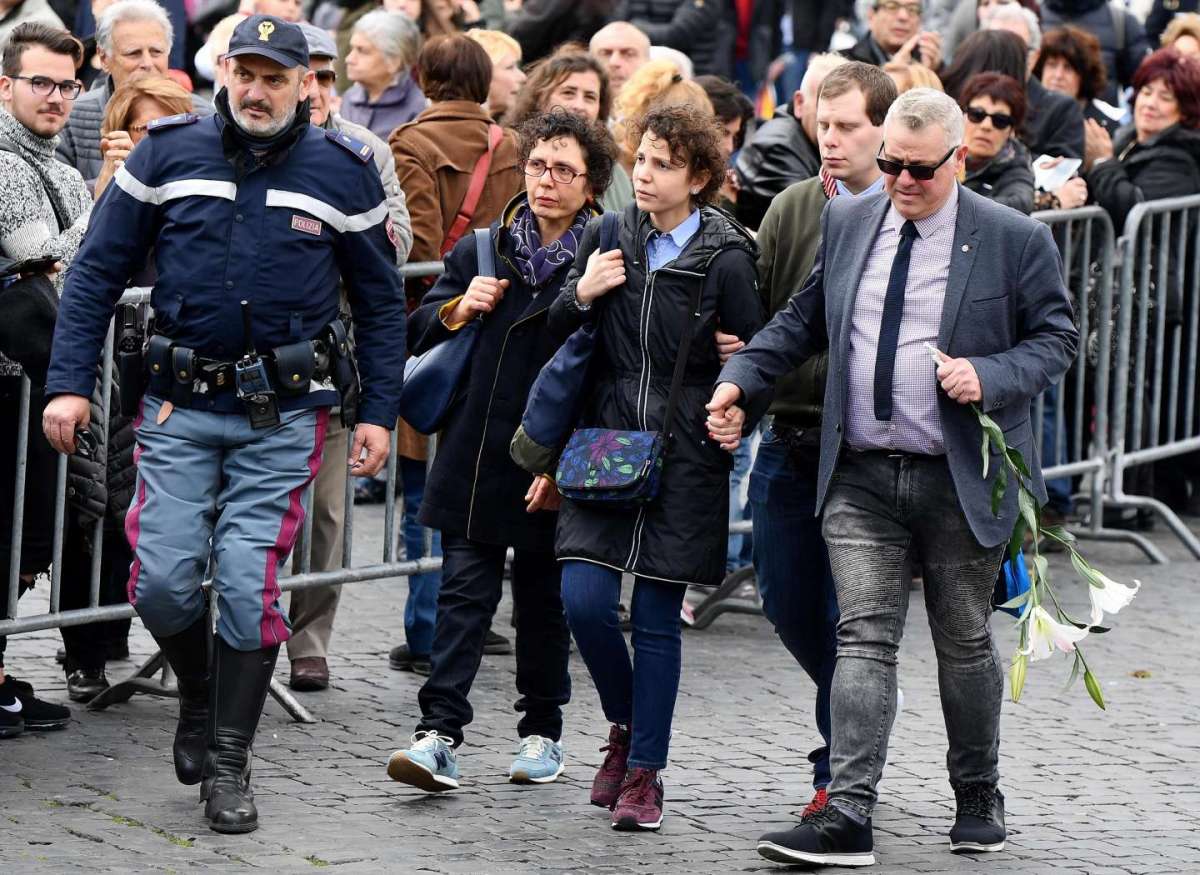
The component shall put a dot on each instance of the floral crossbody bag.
(622, 467)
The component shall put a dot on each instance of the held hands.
(376, 441)
(482, 296)
(543, 494)
(605, 271)
(725, 419)
(62, 417)
(957, 378)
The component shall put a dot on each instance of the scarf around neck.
(539, 263)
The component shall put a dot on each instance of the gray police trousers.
(208, 483)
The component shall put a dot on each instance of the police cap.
(270, 37)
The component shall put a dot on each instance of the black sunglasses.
(1001, 121)
(917, 171)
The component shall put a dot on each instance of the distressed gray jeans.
(884, 512)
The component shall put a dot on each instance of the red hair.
(1181, 74)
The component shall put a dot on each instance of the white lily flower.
(1046, 633)
(1111, 598)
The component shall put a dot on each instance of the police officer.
(252, 214)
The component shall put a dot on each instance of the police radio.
(251, 381)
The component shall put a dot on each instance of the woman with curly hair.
(478, 498)
(1070, 63)
(673, 250)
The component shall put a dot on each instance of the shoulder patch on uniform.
(173, 121)
(359, 150)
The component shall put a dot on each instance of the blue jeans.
(881, 512)
(742, 459)
(420, 609)
(639, 694)
(794, 578)
(1059, 489)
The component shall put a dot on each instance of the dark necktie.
(889, 326)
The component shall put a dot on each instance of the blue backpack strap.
(485, 258)
(608, 231)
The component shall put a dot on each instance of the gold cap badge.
(265, 29)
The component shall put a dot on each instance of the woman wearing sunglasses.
(998, 165)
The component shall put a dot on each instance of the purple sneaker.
(606, 786)
(640, 805)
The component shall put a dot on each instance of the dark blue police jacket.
(279, 237)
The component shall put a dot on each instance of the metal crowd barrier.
(1122, 405)
(1154, 412)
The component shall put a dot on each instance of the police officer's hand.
(63, 415)
(482, 296)
(116, 146)
(376, 441)
(604, 271)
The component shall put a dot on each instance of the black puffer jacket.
(779, 154)
(475, 489)
(698, 28)
(102, 486)
(1006, 179)
(680, 536)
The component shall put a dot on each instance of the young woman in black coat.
(640, 297)
(476, 495)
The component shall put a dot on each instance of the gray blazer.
(1006, 309)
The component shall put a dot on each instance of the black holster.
(131, 366)
(344, 370)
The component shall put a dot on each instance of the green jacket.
(795, 218)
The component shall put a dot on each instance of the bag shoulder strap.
(609, 223)
(479, 175)
(681, 359)
(485, 258)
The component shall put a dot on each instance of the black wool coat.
(475, 490)
(681, 535)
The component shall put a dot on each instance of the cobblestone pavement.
(1088, 791)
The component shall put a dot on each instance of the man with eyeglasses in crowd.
(928, 266)
(894, 34)
(133, 38)
(44, 208)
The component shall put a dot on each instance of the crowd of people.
(626, 220)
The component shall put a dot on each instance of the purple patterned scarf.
(539, 263)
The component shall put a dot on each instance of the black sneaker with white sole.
(978, 821)
(827, 838)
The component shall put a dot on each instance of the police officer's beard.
(260, 128)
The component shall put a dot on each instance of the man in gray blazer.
(900, 477)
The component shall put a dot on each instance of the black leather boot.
(187, 652)
(240, 682)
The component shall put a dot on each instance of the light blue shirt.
(663, 248)
(874, 187)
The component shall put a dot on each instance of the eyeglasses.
(537, 168)
(1001, 121)
(43, 86)
(326, 78)
(923, 172)
(892, 7)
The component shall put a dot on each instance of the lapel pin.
(966, 247)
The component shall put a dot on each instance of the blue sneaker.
(539, 761)
(429, 764)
